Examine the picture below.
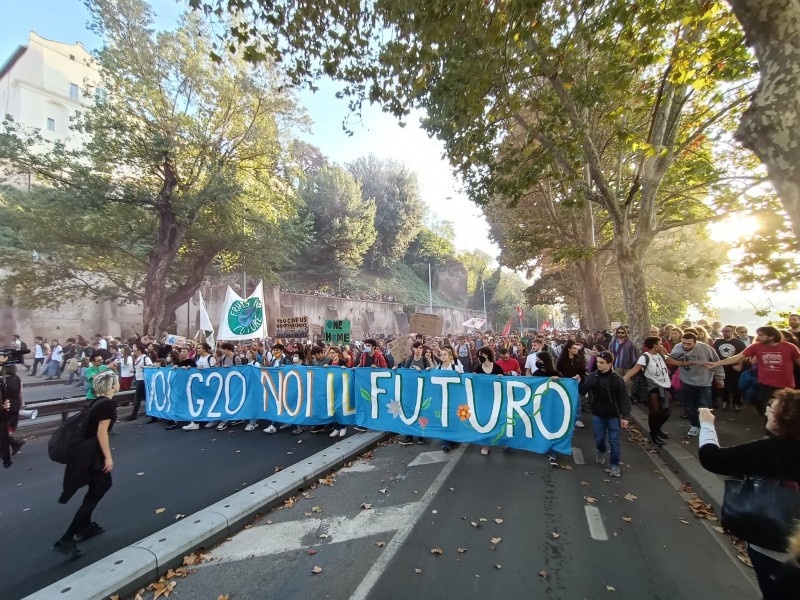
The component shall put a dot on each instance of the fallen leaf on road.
(719, 529)
(329, 480)
(437, 551)
(473, 523)
(462, 550)
(223, 597)
(269, 522)
(555, 535)
(238, 452)
(114, 597)
(498, 567)
(566, 467)
(498, 521)
(417, 571)
(311, 552)
(160, 510)
(435, 512)
(610, 588)
(380, 544)
(140, 474)
(179, 516)
(248, 526)
(684, 521)
(745, 559)
(586, 483)
(383, 491)
(307, 496)
(590, 500)
(542, 573)
(316, 509)
(316, 570)
(366, 506)
(482, 520)
(630, 497)
(323, 536)
(627, 519)
(499, 508)
(452, 489)
(496, 540)
(289, 502)
(278, 469)
(307, 514)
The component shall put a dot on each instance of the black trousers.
(777, 580)
(138, 396)
(99, 484)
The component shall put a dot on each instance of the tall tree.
(577, 82)
(188, 143)
(399, 210)
(343, 223)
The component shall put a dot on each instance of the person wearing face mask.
(487, 366)
(416, 361)
(370, 357)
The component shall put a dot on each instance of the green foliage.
(399, 210)
(343, 223)
(781, 321)
(183, 172)
(431, 246)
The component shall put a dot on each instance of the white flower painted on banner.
(395, 409)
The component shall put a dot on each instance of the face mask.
(367, 348)
(482, 358)
(296, 360)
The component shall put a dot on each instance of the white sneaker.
(211, 424)
(222, 426)
(334, 433)
(579, 424)
(270, 429)
(693, 431)
(343, 432)
(250, 426)
(191, 426)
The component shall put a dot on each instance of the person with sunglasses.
(624, 352)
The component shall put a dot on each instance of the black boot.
(657, 441)
(68, 547)
(16, 445)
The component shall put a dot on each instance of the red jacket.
(380, 361)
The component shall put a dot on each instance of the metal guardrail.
(64, 406)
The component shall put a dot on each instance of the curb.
(705, 483)
(42, 382)
(131, 568)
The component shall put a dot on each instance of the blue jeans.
(694, 397)
(611, 427)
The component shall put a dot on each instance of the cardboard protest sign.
(175, 340)
(337, 331)
(425, 324)
(293, 327)
(400, 348)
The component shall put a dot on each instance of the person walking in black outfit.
(90, 465)
(10, 405)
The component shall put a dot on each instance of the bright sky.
(378, 133)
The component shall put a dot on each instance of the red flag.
(507, 330)
(545, 324)
(520, 314)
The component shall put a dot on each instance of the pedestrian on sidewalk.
(38, 354)
(611, 409)
(774, 457)
(653, 388)
(10, 405)
(90, 465)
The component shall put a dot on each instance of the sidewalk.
(681, 451)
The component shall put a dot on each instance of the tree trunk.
(169, 240)
(634, 290)
(593, 301)
(769, 127)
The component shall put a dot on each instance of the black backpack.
(23, 346)
(641, 388)
(68, 436)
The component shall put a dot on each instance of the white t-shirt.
(205, 362)
(103, 343)
(126, 366)
(656, 370)
(38, 352)
(530, 362)
(57, 353)
(139, 365)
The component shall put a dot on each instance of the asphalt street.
(414, 522)
(178, 471)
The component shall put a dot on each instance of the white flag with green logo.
(243, 319)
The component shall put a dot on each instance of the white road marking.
(596, 528)
(577, 456)
(267, 540)
(380, 565)
(429, 458)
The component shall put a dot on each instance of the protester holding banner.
(449, 361)
(278, 360)
(371, 357)
(487, 366)
(611, 407)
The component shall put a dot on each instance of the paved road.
(179, 471)
(422, 499)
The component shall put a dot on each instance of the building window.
(51, 124)
(74, 91)
(100, 95)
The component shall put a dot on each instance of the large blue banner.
(531, 413)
